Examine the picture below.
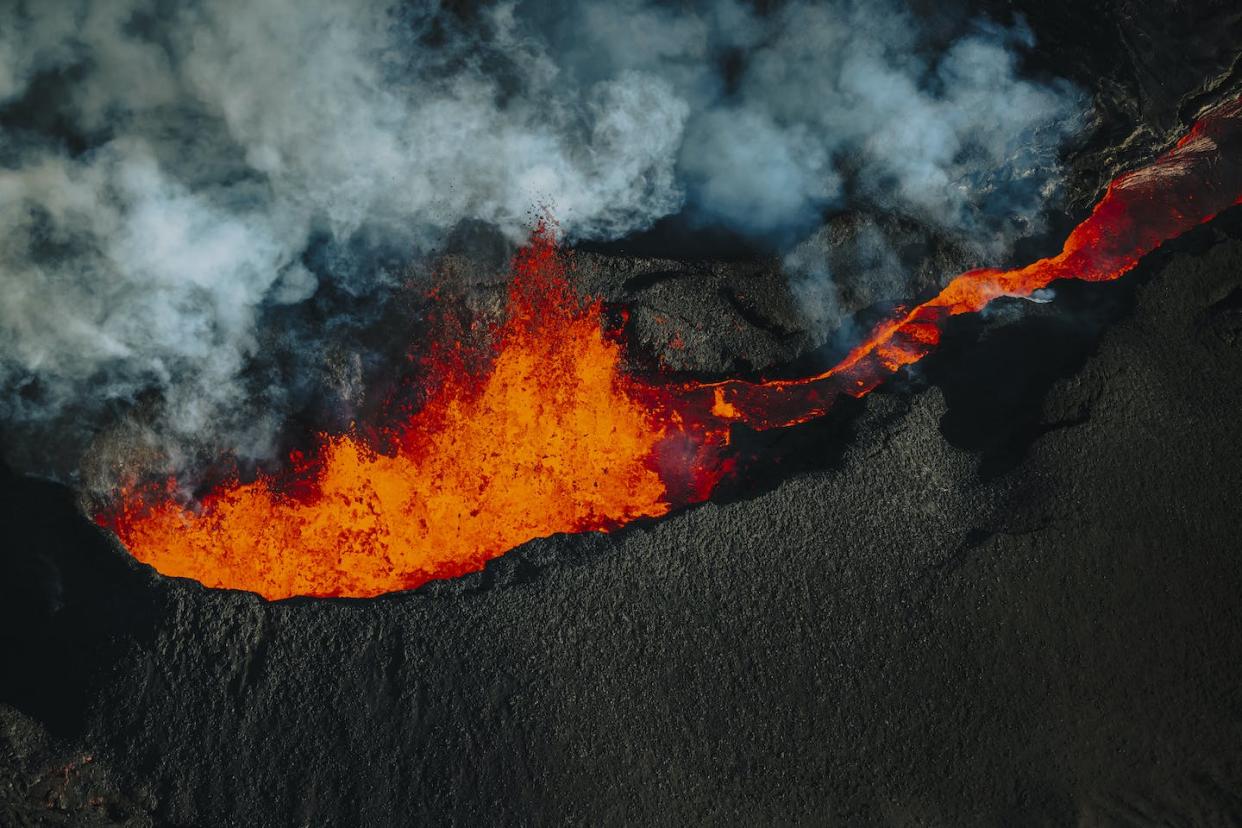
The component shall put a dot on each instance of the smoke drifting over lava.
(554, 437)
(171, 178)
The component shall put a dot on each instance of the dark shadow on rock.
(995, 377)
(997, 368)
(70, 601)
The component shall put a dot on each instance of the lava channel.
(553, 436)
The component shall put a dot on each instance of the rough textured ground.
(1003, 590)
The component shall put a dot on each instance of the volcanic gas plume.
(552, 436)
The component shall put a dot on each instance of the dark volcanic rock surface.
(895, 638)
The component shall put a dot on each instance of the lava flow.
(1141, 210)
(555, 437)
(547, 441)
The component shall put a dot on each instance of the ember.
(555, 438)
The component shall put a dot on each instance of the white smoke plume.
(166, 168)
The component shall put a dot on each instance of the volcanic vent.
(550, 435)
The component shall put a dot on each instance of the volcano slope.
(1003, 589)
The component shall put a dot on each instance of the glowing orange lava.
(555, 438)
(1141, 210)
(549, 441)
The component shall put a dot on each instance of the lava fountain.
(548, 440)
(554, 437)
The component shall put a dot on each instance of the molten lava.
(1141, 210)
(548, 441)
(554, 437)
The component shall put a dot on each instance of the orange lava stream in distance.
(1141, 210)
(555, 438)
(549, 441)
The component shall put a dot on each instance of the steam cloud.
(172, 175)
